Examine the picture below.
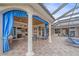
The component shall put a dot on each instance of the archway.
(8, 21)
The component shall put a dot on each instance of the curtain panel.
(8, 22)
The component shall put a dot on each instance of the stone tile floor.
(58, 47)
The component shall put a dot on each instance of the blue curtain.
(8, 20)
(7, 28)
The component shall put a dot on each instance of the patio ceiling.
(25, 20)
(62, 11)
(21, 22)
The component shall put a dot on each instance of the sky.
(51, 7)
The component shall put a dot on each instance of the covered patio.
(42, 30)
(59, 47)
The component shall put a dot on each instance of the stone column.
(30, 49)
(50, 35)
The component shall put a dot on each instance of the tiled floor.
(19, 48)
(58, 47)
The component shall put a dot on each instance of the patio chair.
(74, 41)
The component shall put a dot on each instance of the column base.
(30, 53)
(50, 41)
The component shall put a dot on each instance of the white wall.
(0, 33)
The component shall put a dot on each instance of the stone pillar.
(30, 49)
(50, 35)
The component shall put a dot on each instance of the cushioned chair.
(74, 41)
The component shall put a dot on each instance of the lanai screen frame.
(66, 15)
